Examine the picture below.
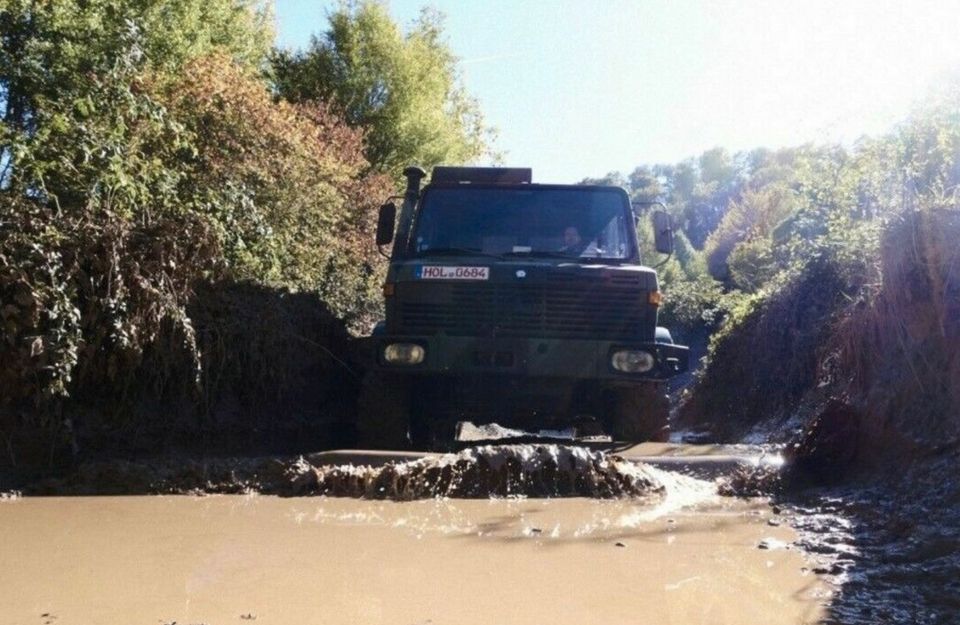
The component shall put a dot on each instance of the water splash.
(519, 518)
(486, 471)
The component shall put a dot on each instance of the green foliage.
(755, 217)
(41, 333)
(703, 206)
(50, 48)
(764, 355)
(93, 238)
(284, 184)
(929, 148)
(694, 305)
(402, 89)
(142, 160)
(748, 220)
(691, 260)
(751, 264)
(645, 185)
(612, 179)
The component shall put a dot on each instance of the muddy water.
(690, 558)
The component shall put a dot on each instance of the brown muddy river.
(692, 558)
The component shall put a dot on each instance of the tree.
(718, 184)
(612, 179)
(284, 184)
(402, 89)
(644, 185)
(51, 49)
(755, 216)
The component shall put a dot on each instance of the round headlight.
(404, 354)
(633, 361)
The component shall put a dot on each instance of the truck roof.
(446, 176)
(481, 175)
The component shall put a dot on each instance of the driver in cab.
(572, 241)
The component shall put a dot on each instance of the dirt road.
(691, 558)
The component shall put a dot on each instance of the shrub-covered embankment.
(873, 417)
(261, 370)
(763, 361)
(894, 361)
(179, 250)
(869, 369)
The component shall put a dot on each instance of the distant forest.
(751, 220)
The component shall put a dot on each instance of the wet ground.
(533, 470)
(653, 543)
(235, 559)
(891, 547)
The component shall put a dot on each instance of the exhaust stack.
(414, 176)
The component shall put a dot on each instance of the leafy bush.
(162, 164)
(284, 184)
(693, 305)
(752, 218)
(751, 264)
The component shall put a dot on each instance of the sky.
(579, 89)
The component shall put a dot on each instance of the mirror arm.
(664, 261)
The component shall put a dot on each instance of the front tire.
(383, 412)
(640, 414)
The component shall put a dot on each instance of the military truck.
(517, 303)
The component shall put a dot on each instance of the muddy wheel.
(429, 435)
(640, 414)
(383, 412)
(433, 427)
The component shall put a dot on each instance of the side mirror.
(663, 232)
(386, 221)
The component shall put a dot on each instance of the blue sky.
(578, 89)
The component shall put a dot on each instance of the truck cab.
(517, 303)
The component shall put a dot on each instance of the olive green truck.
(516, 303)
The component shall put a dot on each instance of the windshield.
(574, 223)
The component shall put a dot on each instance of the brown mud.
(250, 558)
(476, 472)
(888, 553)
(492, 470)
(889, 545)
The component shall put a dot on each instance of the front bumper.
(532, 357)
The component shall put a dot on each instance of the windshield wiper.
(455, 251)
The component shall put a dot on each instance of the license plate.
(443, 272)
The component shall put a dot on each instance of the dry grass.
(893, 365)
(897, 356)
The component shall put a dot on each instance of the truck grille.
(594, 310)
